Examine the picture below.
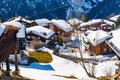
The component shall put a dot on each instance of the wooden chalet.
(41, 33)
(97, 42)
(8, 44)
(97, 24)
(61, 28)
(27, 23)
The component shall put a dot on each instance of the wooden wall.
(102, 48)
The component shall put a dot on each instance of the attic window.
(44, 34)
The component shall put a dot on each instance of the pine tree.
(1, 20)
(84, 17)
(118, 21)
(29, 18)
(112, 27)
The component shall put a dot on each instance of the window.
(44, 34)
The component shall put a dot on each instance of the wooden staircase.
(114, 48)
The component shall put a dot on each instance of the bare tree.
(89, 71)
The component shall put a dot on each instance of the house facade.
(101, 48)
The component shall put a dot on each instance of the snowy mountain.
(62, 9)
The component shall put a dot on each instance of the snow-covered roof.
(42, 22)
(74, 21)
(95, 21)
(109, 22)
(114, 18)
(62, 25)
(41, 31)
(97, 37)
(23, 19)
(116, 38)
(21, 32)
(91, 22)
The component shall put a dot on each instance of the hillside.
(62, 9)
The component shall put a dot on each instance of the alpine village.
(57, 49)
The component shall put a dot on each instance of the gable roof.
(91, 22)
(41, 31)
(97, 37)
(21, 32)
(42, 22)
(62, 25)
(95, 21)
(19, 18)
(114, 18)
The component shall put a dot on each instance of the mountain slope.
(62, 9)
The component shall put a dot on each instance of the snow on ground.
(105, 68)
(63, 67)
